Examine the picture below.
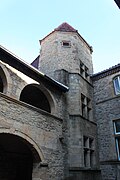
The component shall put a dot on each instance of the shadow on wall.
(16, 158)
(31, 94)
(1, 85)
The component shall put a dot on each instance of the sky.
(24, 22)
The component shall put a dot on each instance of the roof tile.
(65, 27)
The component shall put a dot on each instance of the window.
(117, 136)
(66, 43)
(84, 71)
(88, 102)
(81, 68)
(117, 127)
(85, 106)
(88, 147)
(116, 82)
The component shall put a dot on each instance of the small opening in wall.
(66, 44)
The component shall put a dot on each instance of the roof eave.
(84, 41)
(19, 64)
(106, 72)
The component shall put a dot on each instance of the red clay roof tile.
(65, 27)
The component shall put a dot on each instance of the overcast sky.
(24, 22)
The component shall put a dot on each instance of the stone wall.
(106, 110)
(85, 175)
(54, 56)
(16, 81)
(78, 128)
(42, 128)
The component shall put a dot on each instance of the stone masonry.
(58, 120)
(107, 109)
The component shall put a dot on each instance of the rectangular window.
(88, 107)
(85, 158)
(88, 148)
(85, 106)
(91, 144)
(81, 68)
(66, 44)
(118, 147)
(116, 82)
(84, 71)
(85, 142)
(117, 136)
(117, 127)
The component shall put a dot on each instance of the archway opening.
(1, 85)
(16, 158)
(32, 95)
(3, 80)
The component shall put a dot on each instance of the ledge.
(109, 162)
(109, 99)
(83, 78)
(83, 169)
(78, 115)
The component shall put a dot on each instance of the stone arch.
(38, 155)
(5, 80)
(18, 154)
(38, 96)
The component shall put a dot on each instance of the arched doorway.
(16, 158)
(32, 95)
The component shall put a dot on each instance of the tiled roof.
(107, 72)
(65, 27)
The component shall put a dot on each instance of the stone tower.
(66, 57)
(65, 49)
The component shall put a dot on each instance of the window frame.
(117, 137)
(115, 128)
(88, 151)
(117, 91)
(86, 107)
(117, 147)
(65, 42)
(84, 71)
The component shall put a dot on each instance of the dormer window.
(66, 44)
(116, 82)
